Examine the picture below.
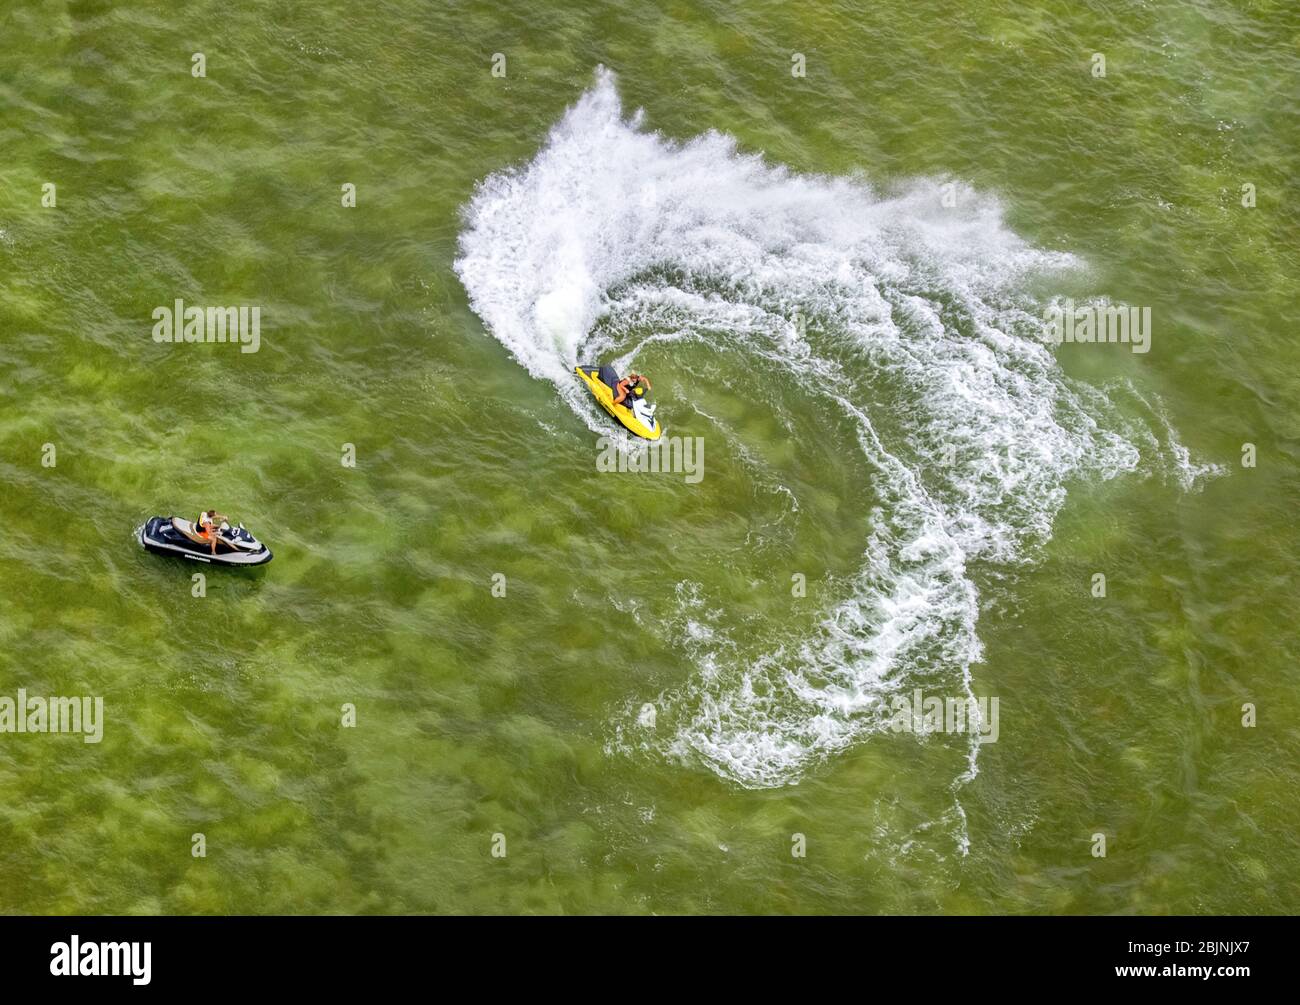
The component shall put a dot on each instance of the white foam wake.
(971, 430)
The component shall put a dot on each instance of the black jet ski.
(170, 535)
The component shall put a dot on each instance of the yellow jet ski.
(639, 418)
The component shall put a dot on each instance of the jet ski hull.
(161, 536)
(604, 394)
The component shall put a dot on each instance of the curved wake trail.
(969, 428)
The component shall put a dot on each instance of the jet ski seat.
(608, 376)
(187, 528)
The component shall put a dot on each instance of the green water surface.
(480, 715)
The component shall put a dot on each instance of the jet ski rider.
(633, 384)
(207, 525)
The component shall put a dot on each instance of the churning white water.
(971, 431)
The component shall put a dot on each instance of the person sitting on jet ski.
(207, 525)
(633, 384)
